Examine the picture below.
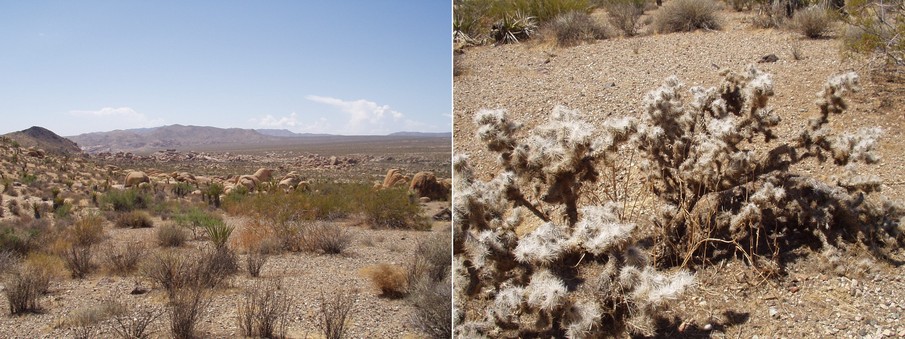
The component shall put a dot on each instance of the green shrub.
(195, 218)
(127, 200)
(687, 16)
(23, 236)
(133, 219)
(513, 28)
(813, 22)
(182, 189)
(393, 208)
(212, 194)
(872, 29)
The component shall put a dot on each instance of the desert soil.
(844, 292)
(303, 275)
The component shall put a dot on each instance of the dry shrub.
(78, 260)
(575, 27)
(174, 271)
(264, 311)
(23, 288)
(186, 308)
(135, 325)
(47, 267)
(254, 261)
(431, 259)
(8, 260)
(433, 307)
(133, 219)
(90, 315)
(327, 237)
(170, 235)
(334, 313)
(813, 22)
(687, 16)
(124, 260)
(86, 231)
(391, 280)
(770, 14)
(624, 14)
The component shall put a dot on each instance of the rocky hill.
(204, 138)
(148, 140)
(42, 138)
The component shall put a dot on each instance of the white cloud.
(364, 117)
(109, 118)
(270, 121)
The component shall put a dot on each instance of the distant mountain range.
(147, 140)
(45, 139)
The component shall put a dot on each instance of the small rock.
(793, 289)
(708, 327)
(887, 332)
(774, 312)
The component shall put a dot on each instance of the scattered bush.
(45, 267)
(254, 262)
(86, 231)
(89, 315)
(124, 260)
(195, 218)
(327, 237)
(264, 311)
(137, 325)
(170, 235)
(433, 307)
(127, 200)
(573, 28)
(78, 260)
(212, 194)
(813, 22)
(513, 28)
(8, 260)
(393, 208)
(186, 308)
(391, 280)
(24, 235)
(133, 219)
(876, 27)
(22, 290)
(624, 14)
(182, 189)
(431, 259)
(174, 271)
(687, 16)
(334, 313)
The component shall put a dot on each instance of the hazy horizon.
(349, 68)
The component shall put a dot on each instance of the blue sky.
(340, 67)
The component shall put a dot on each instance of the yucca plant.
(218, 232)
(513, 28)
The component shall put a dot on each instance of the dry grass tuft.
(391, 280)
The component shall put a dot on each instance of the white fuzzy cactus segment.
(507, 303)
(543, 245)
(857, 147)
(495, 129)
(560, 145)
(599, 229)
(580, 318)
(657, 289)
(545, 291)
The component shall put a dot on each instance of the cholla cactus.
(535, 259)
(528, 282)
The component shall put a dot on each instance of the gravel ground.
(303, 276)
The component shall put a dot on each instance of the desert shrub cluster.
(479, 21)
(687, 15)
(543, 259)
(876, 27)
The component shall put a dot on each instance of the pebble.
(774, 312)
